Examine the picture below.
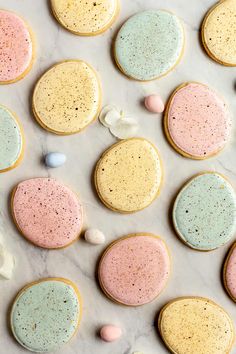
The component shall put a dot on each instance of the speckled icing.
(67, 97)
(134, 270)
(218, 32)
(128, 176)
(196, 326)
(230, 272)
(85, 17)
(47, 212)
(16, 47)
(11, 140)
(45, 315)
(149, 44)
(204, 212)
(198, 121)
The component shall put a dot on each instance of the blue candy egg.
(55, 159)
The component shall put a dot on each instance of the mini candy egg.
(55, 159)
(94, 236)
(110, 333)
(154, 104)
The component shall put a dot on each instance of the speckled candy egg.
(47, 212)
(135, 269)
(229, 275)
(46, 314)
(128, 176)
(154, 104)
(204, 213)
(110, 333)
(197, 121)
(196, 325)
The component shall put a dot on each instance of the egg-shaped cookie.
(67, 98)
(134, 269)
(86, 18)
(11, 140)
(149, 45)
(204, 212)
(128, 176)
(195, 325)
(197, 121)
(46, 314)
(47, 212)
(17, 48)
(229, 272)
(218, 32)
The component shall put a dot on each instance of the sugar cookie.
(67, 97)
(11, 140)
(197, 121)
(47, 213)
(149, 45)
(204, 213)
(46, 314)
(86, 18)
(134, 270)
(218, 32)
(195, 325)
(229, 274)
(128, 176)
(16, 43)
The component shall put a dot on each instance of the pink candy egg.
(110, 333)
(154, 104)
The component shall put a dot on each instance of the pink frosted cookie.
(46, 212)
(135, 269)
(197, 121)
(16, 54)
(230, 273)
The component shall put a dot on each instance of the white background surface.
(193, 273)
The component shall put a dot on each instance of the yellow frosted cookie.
(67, 98)
(195, 325)
(85, 17)
(128, 176)
(218, 32)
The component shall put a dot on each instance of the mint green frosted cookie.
(46, 314)
(149, 44)
(204, 212)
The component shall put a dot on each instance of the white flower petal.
(112, 117)
(126, 128)
(6, 263)
(104, 112)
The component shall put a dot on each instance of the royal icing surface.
(85, 17)
(196, 326)
(219, 32)
(134, 270)
(47, 212)
(46, 315)
(204, 212)
(67, 97)
(16, 47)
(198, 121)
(149, 44)
(230, 272)
(11, 140)
(128, 175)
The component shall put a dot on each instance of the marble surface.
(193, 273)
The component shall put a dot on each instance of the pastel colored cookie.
(86, 18)
(16, 43)
(218, 32)
(204, 213)
(229, 275)
(195, 325)
(134, 270)
(149, 45)
(47, 212)
(197, 121)
(128, 176)
(46, 314)
(11, 140)
(67, 97)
